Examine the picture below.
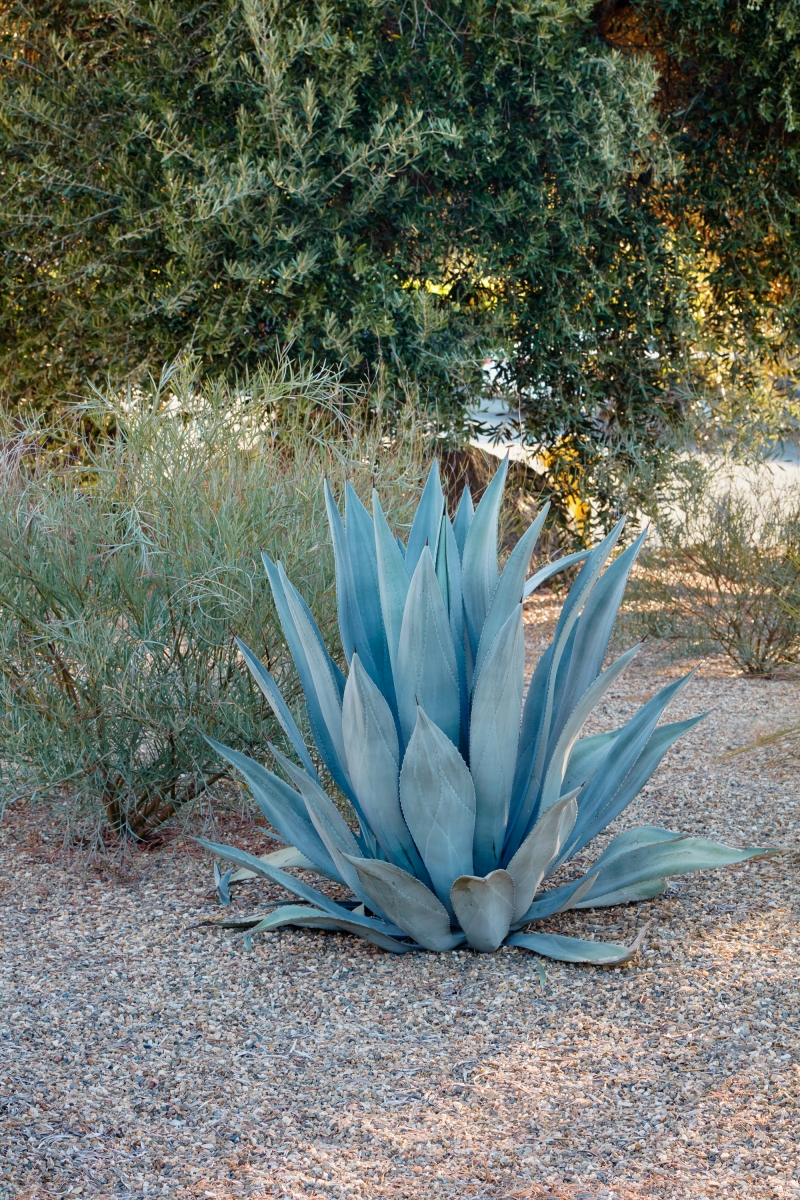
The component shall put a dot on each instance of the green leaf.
(540, 848)
(278, 705)
(426, 665)
(302, 917)
(494, 734)
(509, 591)
(448, 573)
(393, 581)
(484, 907)
(479, 559)
(411, 905)
(427, 519)
(373, 755)
(568, 949)
(438, 801)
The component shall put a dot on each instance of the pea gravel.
(142, 1054)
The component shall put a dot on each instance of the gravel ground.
(144, 1055)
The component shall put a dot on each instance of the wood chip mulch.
(143, 1055)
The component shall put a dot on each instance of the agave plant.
(467, 796)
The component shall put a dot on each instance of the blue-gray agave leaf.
(484, 907)
(448, 573)
(278, 705)
(282, 806)
(427, 519)
(373, 760)
(302, 917)
(438, 800)
(360, 535)
(393, 580)
(587, 755)
(646, 889)
(427, 672)
(351, 625)
(411, 905)
(508, 593)
(494, 734)
(327, 820)
(567, 949)
(644, 766)
(265, 870)
(317, 718)
(479, 559)
(557, 765)
(677, 856)
(553, 568)
(463, 518)
(540, 850)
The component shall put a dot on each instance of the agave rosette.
(468, 797)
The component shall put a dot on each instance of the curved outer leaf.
(479, 559)
(351, 626)
(552, 786)
(324, 741)
(584, 762)
(318, 899)
(556, 900)
(530, 779)
(282, 806)
(630, 839)
(540, 848)
(373, 756)
(677, 856)
(438, 801)
(425, 526)
(645, 890)
(412, 906)
(637, 752)
(655, 749)
(426, 664)
(567, 949)
(484, 908)
(508, 593)
(550, 569)
(494, 734)
(287, 856)
(593, 631)
(463, 518)
(327, 820)
(393, 580)
(360, 535)
(312, 918)
(278, 705)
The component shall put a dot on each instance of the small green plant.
(725, 572)
(127, 565)
(467, 798)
